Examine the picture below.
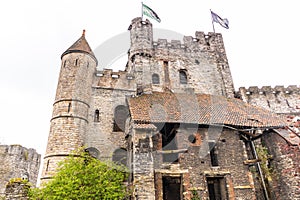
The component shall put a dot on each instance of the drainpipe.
(259, 170)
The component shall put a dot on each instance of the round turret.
(71, 106)
(141, 37)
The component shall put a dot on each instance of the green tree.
(84, 177)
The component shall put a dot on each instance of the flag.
(216, 18)
(150, 13)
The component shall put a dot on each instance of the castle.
(174, 119)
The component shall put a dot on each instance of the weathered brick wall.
(17, 161)
(194, 166)
(231, 153)
(281, 100)
(285, 163)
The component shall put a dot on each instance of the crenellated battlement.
(201, 40)
(279, 99)
(291, 89)
(108, 78)
(109, 73)
(163, 43)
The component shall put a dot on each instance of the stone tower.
(197, 65)
(170, 117)
(141, 52)
(71, 105)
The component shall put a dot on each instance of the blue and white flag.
(222, 21)
(150, 13)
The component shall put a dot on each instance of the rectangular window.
(172, 188)
(213, 154)
(166, 72)
(216, 188)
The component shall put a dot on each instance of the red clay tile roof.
(81, 45)
(200, 109)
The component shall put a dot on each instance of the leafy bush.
(84, 177)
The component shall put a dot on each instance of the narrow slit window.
(166, 63)
(76, 62)
(69, 107)
(47, 166)
(96, 116)
(213, 154)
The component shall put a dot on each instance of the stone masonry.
(18, 162)
(172, 117)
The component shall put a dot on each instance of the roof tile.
(201, 109)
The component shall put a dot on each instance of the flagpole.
(142, 11)
(212, 21)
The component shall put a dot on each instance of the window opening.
(172, 188)
(155, 79)
(166, 63)
(287, 103)
(76, 62)
(216, 188)
(69, 107)
(94, 152)
(169, 142)
(96, 116)
(120, 116)
(120, 156)
(166, 72)
(182, 77)
(213, 154)
(47, 166)
(269, 105)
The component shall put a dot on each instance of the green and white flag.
(150, 13)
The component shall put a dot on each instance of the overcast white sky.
(262, 46)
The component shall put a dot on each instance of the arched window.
(120, 156)
(94, 152)
(96, 116)
(120, 116)
(182, 77)
(155, 79)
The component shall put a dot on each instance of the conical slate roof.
(82, 46)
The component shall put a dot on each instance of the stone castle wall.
(86, 102)
(18, 162)
(280, 99)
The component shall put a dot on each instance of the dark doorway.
(171, 188)
(216, 188)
